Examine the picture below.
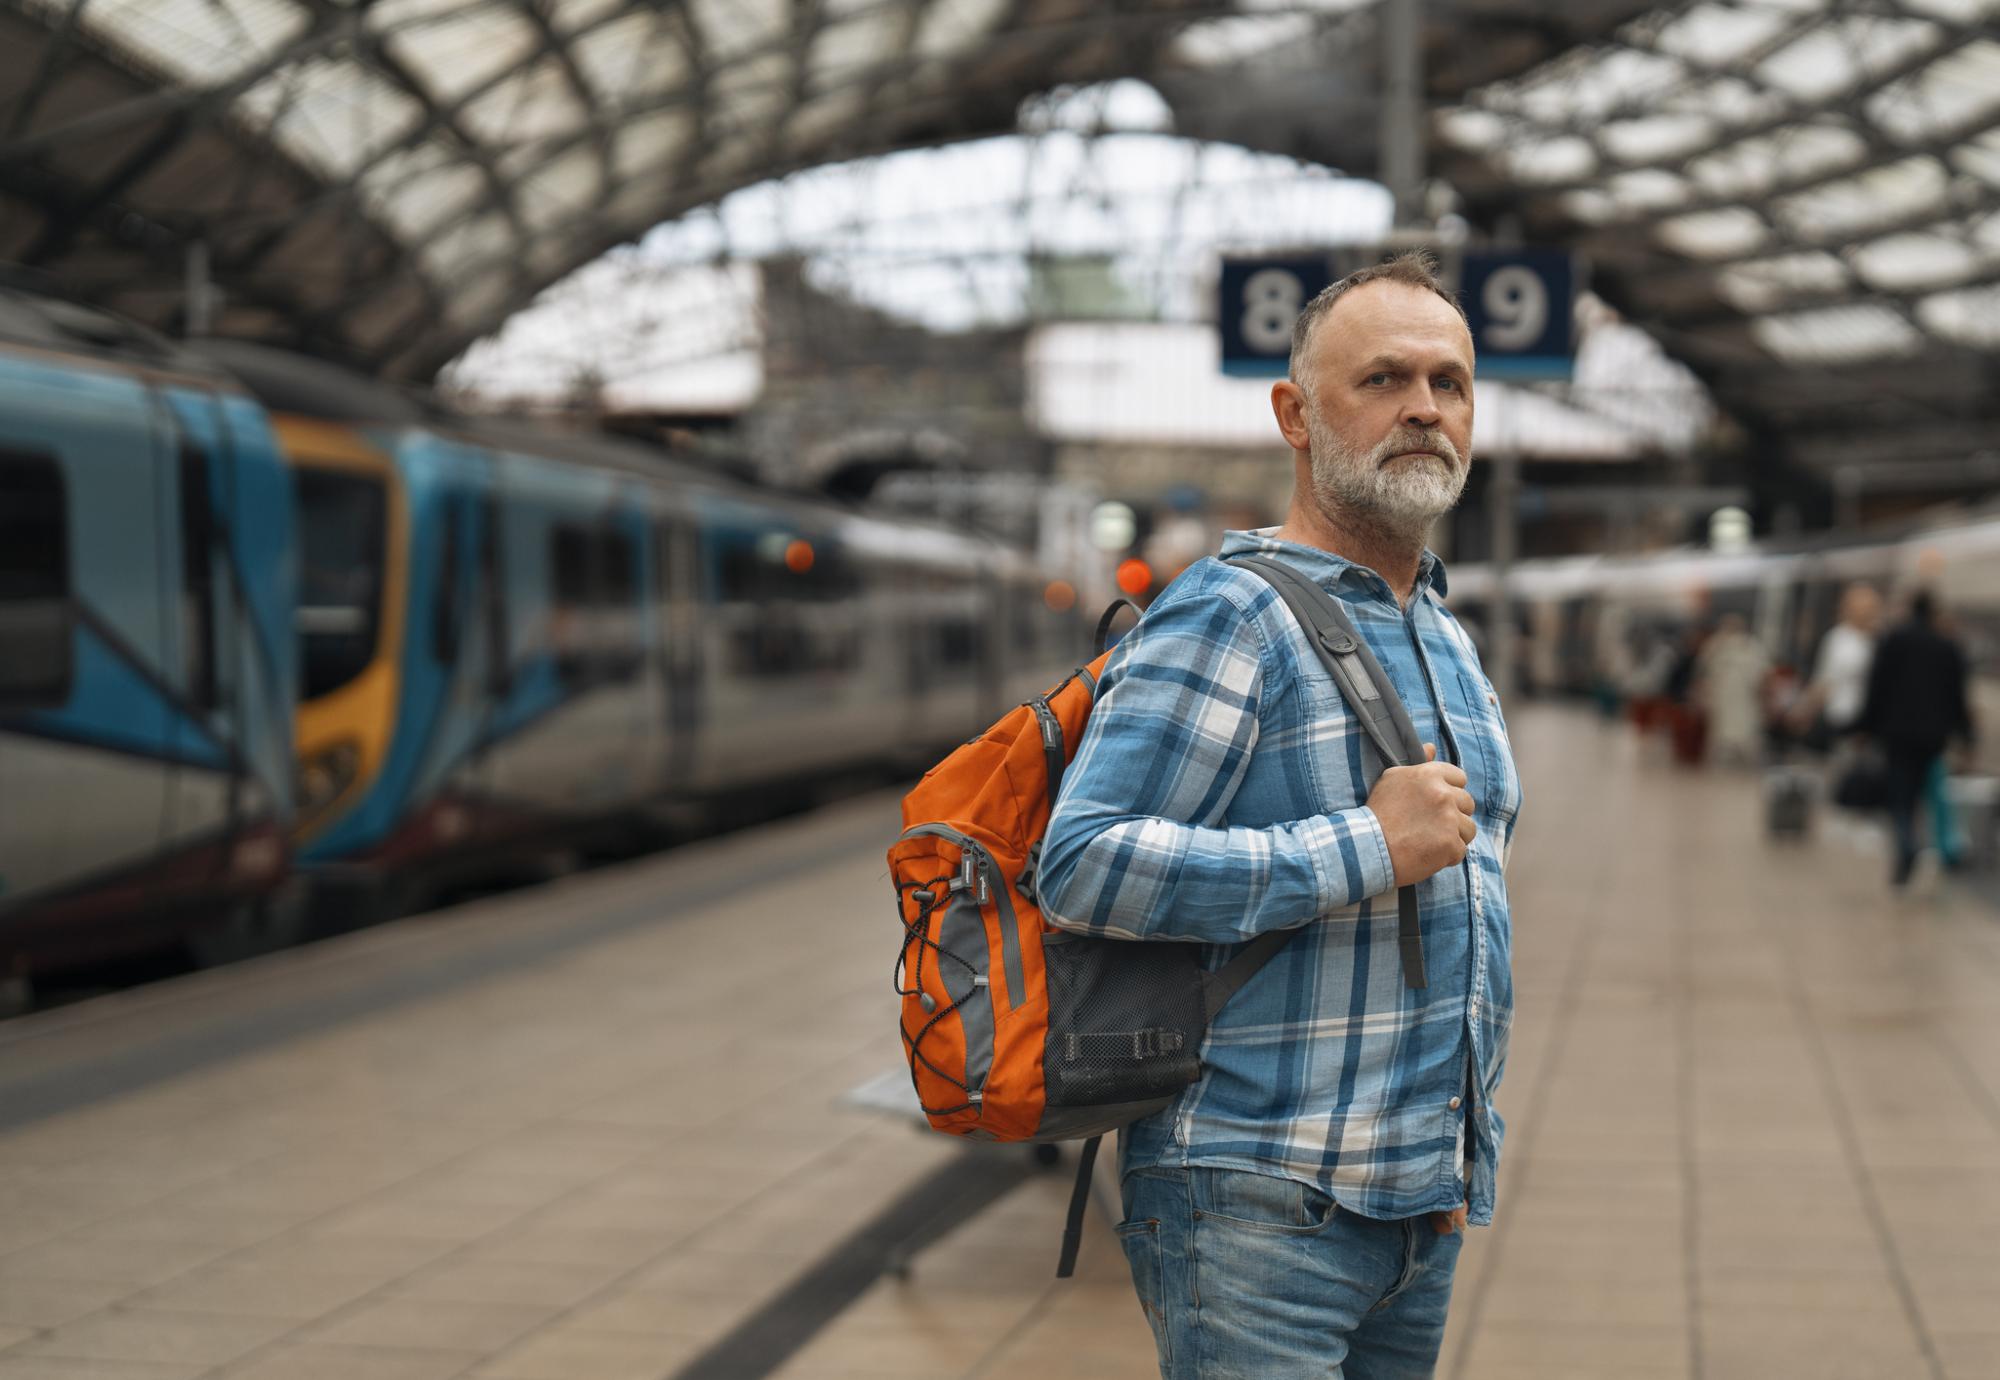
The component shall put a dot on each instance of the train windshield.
(343, 519)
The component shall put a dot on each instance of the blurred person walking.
(1729, 685)
(1298, 1210)
(1839, 686)
(1915, 704)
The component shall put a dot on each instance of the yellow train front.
(514, 641)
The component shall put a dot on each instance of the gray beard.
(1402, 503)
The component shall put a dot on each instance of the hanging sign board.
(1520, 304)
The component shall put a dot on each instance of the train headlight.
(325, 775)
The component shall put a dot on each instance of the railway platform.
(622, 1126)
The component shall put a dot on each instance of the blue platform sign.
(1260, 300)
(1521, 306)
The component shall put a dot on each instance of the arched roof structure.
(1796, 196)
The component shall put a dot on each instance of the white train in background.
(1583, 622)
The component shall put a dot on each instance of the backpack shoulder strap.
(1373, 699)
(1348, 659)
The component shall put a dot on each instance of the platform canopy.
(1796, 196)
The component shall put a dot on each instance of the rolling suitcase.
(1788, 803)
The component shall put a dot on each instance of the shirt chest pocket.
(1340, 761)
(1497, 791)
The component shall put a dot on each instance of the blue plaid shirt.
(1220, 792)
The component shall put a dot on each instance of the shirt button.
(1454, 1103)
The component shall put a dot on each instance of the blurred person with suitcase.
(1915, 705)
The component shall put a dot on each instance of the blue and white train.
(259, 615)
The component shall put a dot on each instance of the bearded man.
(1298, 1211)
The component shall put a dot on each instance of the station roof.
(1796, 196)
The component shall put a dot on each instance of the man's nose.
(1421, 409)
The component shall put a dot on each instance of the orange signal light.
(1060, 596)
(1135, 577)
(799, 557)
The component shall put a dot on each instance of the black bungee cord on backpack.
(927, 895)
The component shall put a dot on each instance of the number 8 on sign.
(1271, 301)
(1517, 308)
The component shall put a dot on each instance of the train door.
(84, 729)
(488, 641)
(677, 642)
(201, 620)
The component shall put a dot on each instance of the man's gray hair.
(1412, 268)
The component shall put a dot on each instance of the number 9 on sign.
(1517, 308)
(1271, 301)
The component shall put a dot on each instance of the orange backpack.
(1016, 1030)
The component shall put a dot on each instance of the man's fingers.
(1467, 830)
(1430, 752)
(1452, 776)
(1465, 802)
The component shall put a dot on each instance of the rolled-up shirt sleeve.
(1136, 848)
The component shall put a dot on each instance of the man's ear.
(1288, 405)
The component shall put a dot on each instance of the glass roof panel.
(197, 41)
(1763, 284)
(1566, 158)
(748, 96)
(531, 105)
(636, 56)
(1716, 35)
(1729, 101)
(1753, 166)
(731, 29)
(570, 16)
(1591, 206)
(331, 114)
(417, 190)
(857, 36)
(1589, 84)
(1980, 157)
(1729, 233)
(1479, 131)
(1219, 42)
(1841, 54)
(1959, 90)
(1648, 189)
(825, 116)
(557, 191)
(1970, 316)
(1911, 261)
(1837, 335)
(1852, 206)
(1954, 11)
(948, 26)
(653, 143)
(1657, 138)
(465, 246)
(454, 47)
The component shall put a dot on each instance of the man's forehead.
(1392, 318)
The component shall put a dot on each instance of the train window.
(446, 621)
(569, 576)
(596, 586)
(35, 610)
(197, 577)
(343, 532)
(493, 599)
(958, 641)
(617, 604)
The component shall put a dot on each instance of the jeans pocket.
(1141, 1240)
(1260, 1202)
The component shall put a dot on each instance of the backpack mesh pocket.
(1126, 1020)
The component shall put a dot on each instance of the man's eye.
(1446, 381)
(1380, 378)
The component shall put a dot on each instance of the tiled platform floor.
(583, 1132)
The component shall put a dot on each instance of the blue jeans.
(1251, 1277)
